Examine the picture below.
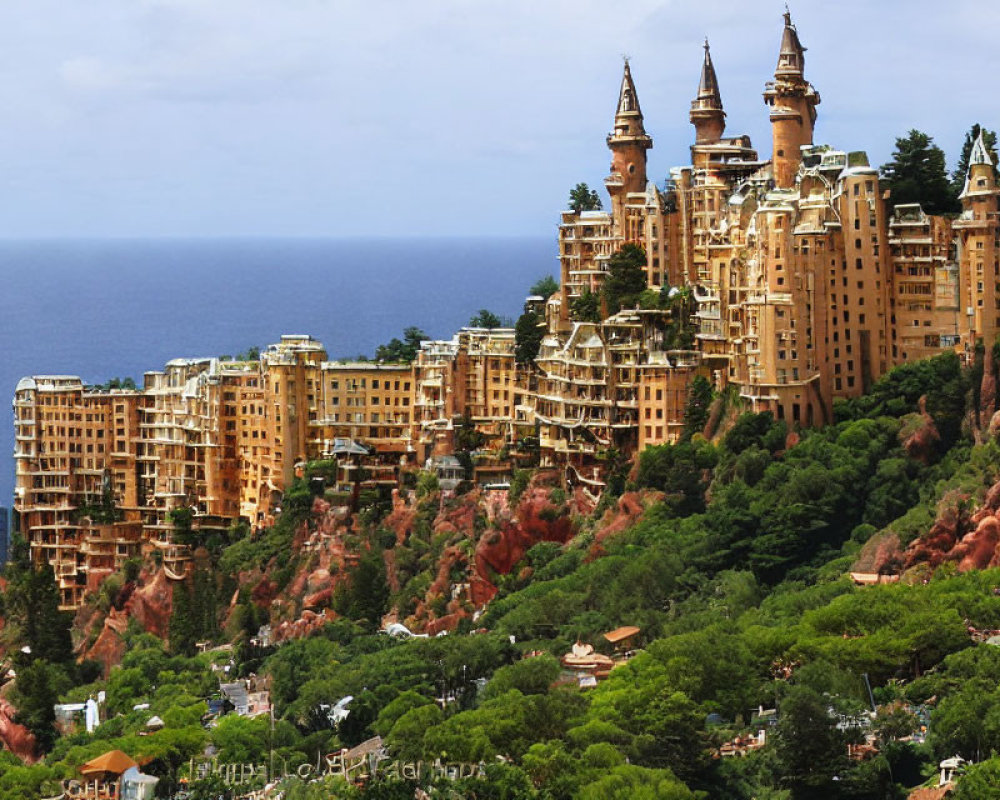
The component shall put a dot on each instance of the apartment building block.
(792, 279)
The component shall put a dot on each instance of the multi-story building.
(925, 304)
(612, 384)
(978, 251)
(792, 278)
(77, 483)
(99, 474)
(471, 378)
(367, 401)
(808, 285)
(370, 403)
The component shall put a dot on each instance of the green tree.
(586, 307)
(698, 403)
(467, 436)
(402, 351)
(31, 604)
(583, 198)
(628, 782)
(528, 334)
(182, 519)
(406, 736)
(528, 676)
(544, 287)
(117, 383)
(626, 278)
(365, 596)
(391, 714)
(485, 319)
(241, 739)
(962, 169)
(37, 690)
(808, 747)
(980, 782)
(183, 627)
(917, 174)
(679, 470)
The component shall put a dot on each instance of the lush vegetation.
(484, 318)
(736, 575)
(402, 350)
(583, 198)
(626, 278)
(917, 172)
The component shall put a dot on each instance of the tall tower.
(707, 116)
(979, 259)
(793, 103)
(628, 143)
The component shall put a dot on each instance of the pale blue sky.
(440, 117)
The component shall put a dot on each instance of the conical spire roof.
(628, 99)
(791, 58)
(628, 129)
(708, 86)
(980, 153)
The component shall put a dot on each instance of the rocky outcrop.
(626, 512)
(881, 555)
(306, 625)
(919, 435)
(151, 603)
(109, 647)
(962, 533)
(535, 520)
(15, 737)
(402, 517)
(318, 589)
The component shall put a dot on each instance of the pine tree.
(917, 174)
(544, 287)
(626, 278)
(528, 335)
(696, 410)
(583, 198)
(586, 307)
(183, 633)
(485, 319)
(35, 694)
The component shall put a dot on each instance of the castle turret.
(707, 116)
(628, 143)
(793, 104)
(980, 261)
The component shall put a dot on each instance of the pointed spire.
(708, 86)
(628, 143)
(628, 99)
(707, 116)
(791, 56)
(980, 153)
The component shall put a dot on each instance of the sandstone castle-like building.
(801, 284)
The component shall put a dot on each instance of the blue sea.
(103, 308)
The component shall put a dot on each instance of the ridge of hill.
(731, 553)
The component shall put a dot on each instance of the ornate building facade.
(791, 279)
